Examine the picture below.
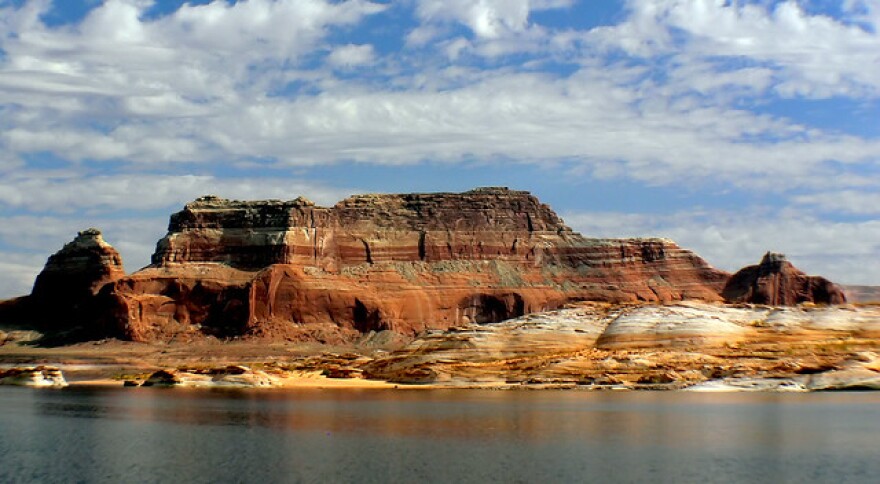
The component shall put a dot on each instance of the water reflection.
(159, 435)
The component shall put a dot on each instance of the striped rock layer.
(406, 263)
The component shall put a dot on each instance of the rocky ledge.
(33, 376)
(651, 346)
(235, 376)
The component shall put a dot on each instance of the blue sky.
(732, 127)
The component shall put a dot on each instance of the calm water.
(160, 435)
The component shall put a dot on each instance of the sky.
(732, 127)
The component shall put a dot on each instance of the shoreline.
(318, 381)
(684, 346)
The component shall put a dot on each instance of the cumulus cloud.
(350, 55)
(485, 18)
(197, 85)
(498, 27)
(810, 54)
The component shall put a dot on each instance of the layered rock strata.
(738, 347)
(235, 376)
(404, 263)
(67, 295)
(80, 269)
(776, 281)
(39, 376)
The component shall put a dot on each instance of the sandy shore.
(288, 382)
(111, 363)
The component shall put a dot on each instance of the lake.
(177, 435)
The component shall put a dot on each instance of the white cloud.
(486, 18)
(812, 55)
(499, 27)
(587, 118)
(842, 202)
(198, 53)
(195, 85)
(351, 55)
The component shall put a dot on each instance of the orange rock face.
(775, 281)
(290, 269)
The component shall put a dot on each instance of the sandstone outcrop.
(39, 376)
(400, 264)
(676, 345)
(80, 269)
(67, 293)
(403, 263)
(235, 376)
(776, 281)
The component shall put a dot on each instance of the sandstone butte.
(406, 263)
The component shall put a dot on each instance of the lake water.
(173, 435)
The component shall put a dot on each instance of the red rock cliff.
(82, 267)
(776, 281)
(66, 294)
(400, 262)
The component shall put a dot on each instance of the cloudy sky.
(733, 127)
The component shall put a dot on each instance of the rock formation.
(234, 376)
(39, 376)
(66, 294)
(404, 263)
(79, 270)
(674, 345)
(776, 281)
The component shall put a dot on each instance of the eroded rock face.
(39, 376)
(739, 347)
(67, 293)
(404, 263)
(776, 281)
(228, 377)
(81, 268)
